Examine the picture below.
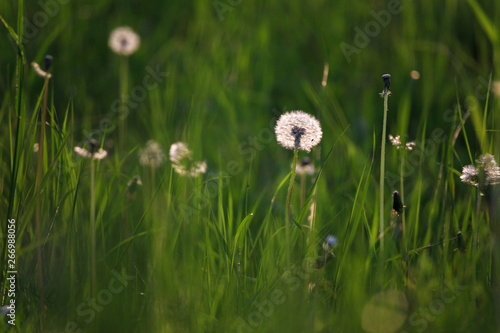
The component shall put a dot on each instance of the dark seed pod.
(48, 62)
(387, 81)
(397, 205)
(92, 146)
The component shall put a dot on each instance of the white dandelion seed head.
(124, 41)
(4, 310)
(297, 129)
(305, 167)
(151, 155)
(490, 168)
(179, 151)
(98, 155)
(182, 161)
(496, 88)
(470, 175)
(485, 173)
(133, 184)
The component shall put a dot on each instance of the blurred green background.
(232, 68)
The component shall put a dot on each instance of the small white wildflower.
(124, 41)
(182, 161)
(396, 141)
(297, 129)
(152, 155)
(410, 145)
(36, 147)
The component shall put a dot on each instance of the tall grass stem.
(382, 170)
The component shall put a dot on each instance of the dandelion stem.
(92, 227)
(288, 205)
(382, 170)
(123, 95)
(39, 198)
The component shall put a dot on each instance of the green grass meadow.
(210, 253)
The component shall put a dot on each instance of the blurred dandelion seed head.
(297, 129)
(133, 184)
(151, 155)
(485, 166)
(124, 41)
(415, 75)
(182, 162)
(179, 151)
(496, 88)
(305, 167)
(98, 155)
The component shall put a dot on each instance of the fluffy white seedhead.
(470, 175)
(98, 155)
(305, 167)
(182, 161)
(151, 155)
(297, 129)
(124, 41)
(485, 164)
(179, 151)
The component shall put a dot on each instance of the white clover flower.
(305, 167)
(152, 155)
(298, 130)
(486, 165)
(124, 41)
(182, 161)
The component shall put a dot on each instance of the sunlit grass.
(209, 253)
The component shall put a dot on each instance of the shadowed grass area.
(208, 253)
